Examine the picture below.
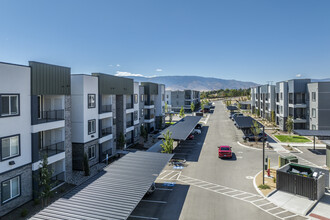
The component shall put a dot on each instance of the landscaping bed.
(270, 182)
(292, 139)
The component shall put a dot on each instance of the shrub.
(274, 180)
(263, 186)
(24, 213)
(36, 201)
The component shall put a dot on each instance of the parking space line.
(143, 217)
(166, 175)
(290, 216)
(276, 207)
(277, 213)
(153, 201)
(242, 193)
(250, 197)
(174, 176)
(230, 192)
(265, 204)
(257, 200)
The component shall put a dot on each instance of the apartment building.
(51, 121)
(154, 106)
(319, 105)
(267, 101)
(183, 98)
(136, 113)
(281, 102)
(15, 137)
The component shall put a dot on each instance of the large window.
(9, 105)
(91, 152)
(10, 189)
(91, 126)
(313, 96)
(313, 112)
(136, 98)
(136, 115)
(91, 100)
(10, 147)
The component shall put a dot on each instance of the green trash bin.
(288, 159)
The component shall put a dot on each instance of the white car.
(196, 131)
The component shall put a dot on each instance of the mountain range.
(194, 82)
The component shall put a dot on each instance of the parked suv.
(250, 137)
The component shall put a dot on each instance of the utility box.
(288, 159)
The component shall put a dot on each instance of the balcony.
(151, 102)
(52, 149)
(52, 115)
(148, 117)
(129, 141)
(129, 105)
(106, 131)
(57, 179)
(106, 108)
(187, 97)
(129, 124)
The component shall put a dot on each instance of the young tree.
(167, 144)
(45, 181)
(121, 141)
(202, 106)
(181, 114)
(258, 112)
(86, 165)
(239, 105)
(289, 124)
(192, 107)
(143, 133)
(166, 107)
(256, 131)
(273, 116)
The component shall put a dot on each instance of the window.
(114, 121)
(10, 147)
(136, 132)
(9, 105)
(136, 115)
(91, 126)
(142, 112)
(91, 152)
(136, 98)
(313, 127)
(163, 97)
(281, 95)
(281, 109)
(142, 98)
(10, 189)
(313, 96)
(313, 112)
(91, 100)
(166, 96)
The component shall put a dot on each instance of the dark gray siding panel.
(150, 88)
(114, 85)
(49, 79)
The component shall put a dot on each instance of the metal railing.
(149, 103)
(129, 141)
(106, 131)
(129, 124)
(106, 108)
(129, 105)
(52, 115)
(148, 117)
(57, 179)
(52, 149)
(187, 97)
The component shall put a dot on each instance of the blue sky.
(249, 40)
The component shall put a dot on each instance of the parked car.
(151, 189)
(236, 115)
(196, 131)
(251, 137)
(190, 137)
(198, 126)
(225, 152)
(231, 114)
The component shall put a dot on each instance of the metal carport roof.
(318, 133)
(245, 122)
(181, 130)
(232, 108)
(113, 193)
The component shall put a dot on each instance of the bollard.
(279, 161)
(268, 171)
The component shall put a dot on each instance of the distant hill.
(321, 80)
(195, 82)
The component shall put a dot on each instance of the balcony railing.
(129, 124)
(129, 105)
(52, 115)
(128, 141)
(148, 117)
(187, 97)
(149, 103)
(57, 179)
(52, 149)
(106, 108)
(106, 131)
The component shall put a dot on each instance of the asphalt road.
(209, 187)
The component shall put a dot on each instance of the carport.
(327, 143)
(232, 108)
(314, 133)
(245, 123)
(181, 130)
(111, 194)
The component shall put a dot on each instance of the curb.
(253, 148)
(255, 185)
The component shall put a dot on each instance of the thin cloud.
(159, 70)
(298, 75)
(120, 73)
(118, 65)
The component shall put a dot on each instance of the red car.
(190, 137)
(225, 152)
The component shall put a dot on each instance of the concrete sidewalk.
(322, 208)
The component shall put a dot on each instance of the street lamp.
(263, 155)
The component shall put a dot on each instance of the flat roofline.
(48, 64)
(14, 64)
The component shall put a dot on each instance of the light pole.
(263, 155)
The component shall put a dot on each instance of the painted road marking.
(258, 202)
(239, 157)
(249, 177)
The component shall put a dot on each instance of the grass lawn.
(170, 123)
(292, 139)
